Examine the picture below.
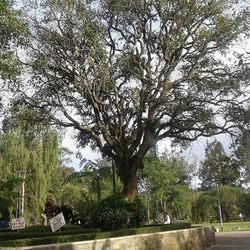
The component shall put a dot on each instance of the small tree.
(165, 183)
(230, 198)
(205, 208)
(245, 205)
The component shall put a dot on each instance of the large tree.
(126, 74)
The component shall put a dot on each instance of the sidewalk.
(233, 240)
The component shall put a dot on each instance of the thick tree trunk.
(129, 185)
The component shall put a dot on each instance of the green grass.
(13, 240)
(231, 226)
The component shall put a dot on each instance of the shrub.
(27, 235)
(137, 212)
(117, 212)
(36, 229)
(111, 213)
(4, 230)
(92, 236)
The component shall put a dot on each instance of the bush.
(27, 235)
(137, 212)
(42, 228)
(92, 236)
(36, 229)
(4, 230)
(111, 213)
(117, 212)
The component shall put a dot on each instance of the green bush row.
(91, 236)
(29, 234)
(42, 228)
(5, 230)
(174, 226)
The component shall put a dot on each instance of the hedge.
(91, 236)
(27, 235)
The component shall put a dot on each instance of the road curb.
(215, 247)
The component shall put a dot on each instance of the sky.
(194, 154)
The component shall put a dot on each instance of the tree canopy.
(218, 168)
(126, 74)
(12, 31)
(164, 182)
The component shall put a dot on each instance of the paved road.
(233, 240)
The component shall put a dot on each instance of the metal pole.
(113, 176)
(17, 198)
(219, 205)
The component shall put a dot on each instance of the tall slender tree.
(218, 168)
(29, 154)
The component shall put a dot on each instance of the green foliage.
(31, 161)
(111, 72)
(165, 183)
(12, 31)
(245, 205)
(111, 213)
(180, 203)
(92, 236)
(230, 198)
(36, 229)
(34, 233)
(206, 205)
(115, 212)
(137, 212)
(14, 157)
(218, 168)
(205, 208)
(242, 150)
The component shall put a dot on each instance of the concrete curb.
(215, 247)
(190, 239)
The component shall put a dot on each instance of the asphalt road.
(233, 240)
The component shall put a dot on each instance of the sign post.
(57, 222)
(18, 223)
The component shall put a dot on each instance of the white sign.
(17, 223)
(57, 222)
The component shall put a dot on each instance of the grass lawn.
(231, 226)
